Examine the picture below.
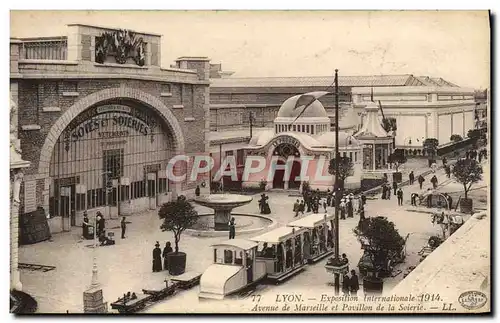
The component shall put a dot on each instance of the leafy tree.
(430, 146)
(474, 134)
(389, 124)
(456, 138)
(467, 172)
(177, 216)
(380, 239)
(346, 169)
(397, 158)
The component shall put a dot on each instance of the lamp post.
(337, 193)
(250, 115)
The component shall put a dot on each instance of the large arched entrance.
(283, 151)
(111, 157)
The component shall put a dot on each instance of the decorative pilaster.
(16, 180)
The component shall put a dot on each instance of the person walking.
(447, 170)
(232, 229)
(324, 205)
(388, 192)
(434, 181)
(400, 196)
(350, 209)
(414, 197)
(157, 258)
(395, 187)
(421, 180)
(346, 284)
(328, 197)
(411, 178)
(168, 249)
(296, 209)
(342, 209)
(197, 190)
(302, 207)
(384, 192)
(123, 225)
(354, 283)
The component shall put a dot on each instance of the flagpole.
(337, 192)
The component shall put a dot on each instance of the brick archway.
(107, 94)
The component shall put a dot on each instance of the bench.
(132, 305)
(159, 294)
(187, 280)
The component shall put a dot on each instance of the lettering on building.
(286, 140)
(100, 118)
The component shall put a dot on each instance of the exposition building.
(98, 118)
(256, 115)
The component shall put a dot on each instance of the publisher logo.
(472, 300)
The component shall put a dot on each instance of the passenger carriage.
(282, 252)
(318, 237)
(235, 267)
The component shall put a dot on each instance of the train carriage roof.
(311, 221)
(278, 235)
(238, 243)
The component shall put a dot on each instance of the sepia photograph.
(250, 162)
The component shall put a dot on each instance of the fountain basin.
(222, 204)
(245, 224)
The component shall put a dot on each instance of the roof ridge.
(311, 76)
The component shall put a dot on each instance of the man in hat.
(349, 207)
(400, 196)
(342, 209)
(421, 180)
(123, 225)
(411, 177)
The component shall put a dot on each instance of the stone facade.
(51, 93)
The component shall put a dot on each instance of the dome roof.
(314, 110)
(328, 139)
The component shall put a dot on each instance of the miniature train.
(275, 256)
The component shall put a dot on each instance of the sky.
(454, 45)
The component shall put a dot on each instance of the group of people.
(474, 154)
(350, 285)
(100, 229)
(158, 254)
(264, 204)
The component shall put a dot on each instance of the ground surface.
(127, 265)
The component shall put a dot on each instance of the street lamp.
(336, 265)
(95, 282)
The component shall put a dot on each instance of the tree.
(456, 138)
(430, 146)
(467, 172)
(389, 124)
(474, 134)
(346, 169)
(397, 158)
(177, 216)
(380, 239)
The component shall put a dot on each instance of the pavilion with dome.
(303, 131)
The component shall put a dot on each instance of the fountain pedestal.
(221, 219)
(223, 204)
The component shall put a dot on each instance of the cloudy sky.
(453, 45)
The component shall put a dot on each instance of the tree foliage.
(177, 216)
(467, 172)
(474, 134)
(430, 146)
(346, 168)
(380, 238)
(456, 138)
(397, 158)
(389, 124)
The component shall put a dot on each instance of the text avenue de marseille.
(333, 303)
(317, 167)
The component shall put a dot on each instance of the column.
(15, 278)
(293, 251)
(374, 157)
(283, 265)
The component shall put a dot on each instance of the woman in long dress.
(168, 249)
(266, 208)
(157, 258)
